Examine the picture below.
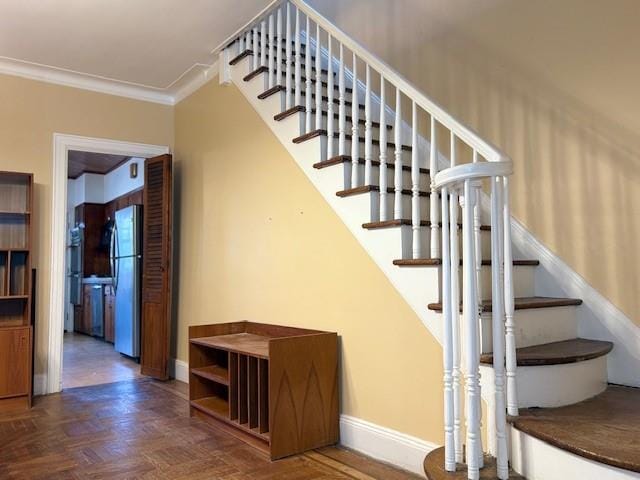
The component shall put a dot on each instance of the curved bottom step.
(604, 428)
(434, 468)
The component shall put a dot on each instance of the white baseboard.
(383, 444)
(179, 370)
(389, 446)
(39, 384)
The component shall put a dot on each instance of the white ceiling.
(146, 45)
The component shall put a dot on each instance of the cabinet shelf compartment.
(14, 232)
(4, 273)
(15, 192)
(215, 373)
(18, 274)
(13, 311)
(278, 378)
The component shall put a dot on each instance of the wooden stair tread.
(557, 353)
(237, 58)
(375, 188)
(340, 159)
(428, 262)
(603, 428)
(322, 132)
(434, 468)
(523, 303)
(406, 221)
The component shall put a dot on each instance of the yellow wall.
(258, 242)
(554, 83)
(30, 112)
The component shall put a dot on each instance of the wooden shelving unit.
(276, 386)
(16, 330)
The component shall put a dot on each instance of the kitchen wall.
(554, 83)
(251, 248)
(31, 112)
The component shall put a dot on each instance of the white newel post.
(471, 334)
(397, 177)
(498, 330)
(448, 341)
(355, 141)
(415, 184)
(510, 339)
(382, 171)
(330, 95)
(434, 242)
(308, 92)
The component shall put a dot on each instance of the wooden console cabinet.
(16, 329)
(276, 385)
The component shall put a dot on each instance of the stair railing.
(311, 42)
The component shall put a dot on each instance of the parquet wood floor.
(141, 429)
(88, 361)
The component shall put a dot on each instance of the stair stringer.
(384, 245)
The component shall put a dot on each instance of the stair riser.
(537, 460)
(550, 386)
(534, 326)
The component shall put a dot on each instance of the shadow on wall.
(577, 170)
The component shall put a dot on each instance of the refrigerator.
(126, 268)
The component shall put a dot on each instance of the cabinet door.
(87, 318)
(15, 365)
(109, 333)
(77, 318)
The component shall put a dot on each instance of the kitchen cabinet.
(87, 318)
(109, 314)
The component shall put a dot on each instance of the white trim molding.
(179, 370)
(52, 381)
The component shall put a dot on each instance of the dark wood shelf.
(215, 373)
(8, 212)
(244, 343)
(14, 297)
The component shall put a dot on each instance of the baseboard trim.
(39, 384)
(381, 443)
(389, 446)
(179, 370)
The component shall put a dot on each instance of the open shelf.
(262, 379)
(215, 373)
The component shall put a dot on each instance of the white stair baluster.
(287, 81)
(241, 46)
(448, 346)
(510, 339)
(368, 130)
(397, 178)
(342, 121)
(471, 334)
(247, 40)
(318, 119)
(271, 52)
(498, 330)
(256, 52)
(433, 203)
(330, 109)
(263, 43)
(308, 72)
(298, 69)
(384, 211)
(455, 312)
(355, 143)
(415, 183)
(279, 46)
(478, 235)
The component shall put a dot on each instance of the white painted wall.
(118, 182)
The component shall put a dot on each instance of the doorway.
(90, 358)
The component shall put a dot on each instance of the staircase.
(428, 199)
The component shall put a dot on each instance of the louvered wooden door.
(156, 268)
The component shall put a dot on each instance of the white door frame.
(61, 145)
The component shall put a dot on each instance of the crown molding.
(188, 82)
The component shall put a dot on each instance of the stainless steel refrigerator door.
(127, 308)
(127, 232)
